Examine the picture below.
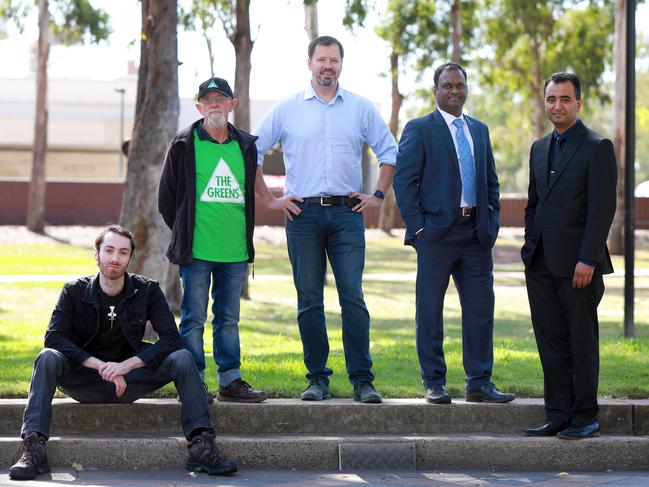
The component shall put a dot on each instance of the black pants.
(567, 335)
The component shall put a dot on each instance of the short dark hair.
(325, 41)
(561, 77)
(118, 229)
(448, 66)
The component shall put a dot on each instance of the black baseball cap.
(215, 84)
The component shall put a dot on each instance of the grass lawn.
(271, 348)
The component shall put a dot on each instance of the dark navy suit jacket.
(427, 181)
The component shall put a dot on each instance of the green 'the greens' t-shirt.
(220, 223)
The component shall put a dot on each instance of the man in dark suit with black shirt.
(571, 204)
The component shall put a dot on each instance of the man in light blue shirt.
(322, 131)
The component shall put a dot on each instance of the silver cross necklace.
(111, 316)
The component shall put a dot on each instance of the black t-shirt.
(110, 344)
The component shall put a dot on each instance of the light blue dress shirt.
(448, 118)
(323, 142)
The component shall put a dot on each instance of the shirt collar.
(566, 135)
(448, 118)
(309, 92)
(204, 135)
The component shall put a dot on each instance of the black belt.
(466, 211)
(332, 200)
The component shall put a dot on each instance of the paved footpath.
(281, 478)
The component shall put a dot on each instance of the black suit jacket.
(574, 211)
(427, 182)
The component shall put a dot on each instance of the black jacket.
(75, 319)
(571, 215)
(177, 192)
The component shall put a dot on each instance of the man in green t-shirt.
(207, 199)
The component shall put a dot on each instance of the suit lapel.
(573, 143)
(480, 164)
(442, 129)
(540, 165)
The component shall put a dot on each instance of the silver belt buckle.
(465, 211)
(322, 203)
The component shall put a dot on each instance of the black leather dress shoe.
(488, 393)
(437, 394)
(580, 432)
(548, 429)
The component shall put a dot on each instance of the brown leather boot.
(240, 391)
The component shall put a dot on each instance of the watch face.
(379, 194)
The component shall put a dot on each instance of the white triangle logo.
(223, 187)
(212, 84)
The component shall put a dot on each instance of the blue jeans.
(338, 233)
(51, 368)
(227, 280)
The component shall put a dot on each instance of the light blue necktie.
(467, 166)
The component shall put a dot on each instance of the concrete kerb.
(335, 417)
(459, 452)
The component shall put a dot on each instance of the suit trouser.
(85, 385)
(567, 335)
(458, 254)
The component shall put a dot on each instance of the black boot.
(32, 459)
(204, 456)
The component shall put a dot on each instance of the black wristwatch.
(379, 194)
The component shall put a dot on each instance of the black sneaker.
(240, 391)
(31, 459)
(204, 456)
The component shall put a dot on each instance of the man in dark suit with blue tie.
(573, 177)
(447, 191)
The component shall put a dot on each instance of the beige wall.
(62, 164)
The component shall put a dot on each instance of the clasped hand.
(114, 372)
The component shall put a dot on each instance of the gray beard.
(216, 123)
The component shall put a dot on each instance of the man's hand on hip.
(286, 206)
(583, 275)
(367, 201)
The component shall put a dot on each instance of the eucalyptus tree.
(69, 22)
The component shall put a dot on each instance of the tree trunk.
(156, 121)
(242, 43)
(537, 89)
(210, 52)
(311, 20)
(616, 234)
(456, 22)
(36, 197)
(389, 206)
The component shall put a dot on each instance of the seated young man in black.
(95, 354)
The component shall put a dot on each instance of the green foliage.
(642, 112)
(77, 21)
(510, 131)
(15, 10)
(71, 21)
(531, 40)
(204, 14)
(355, 12)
